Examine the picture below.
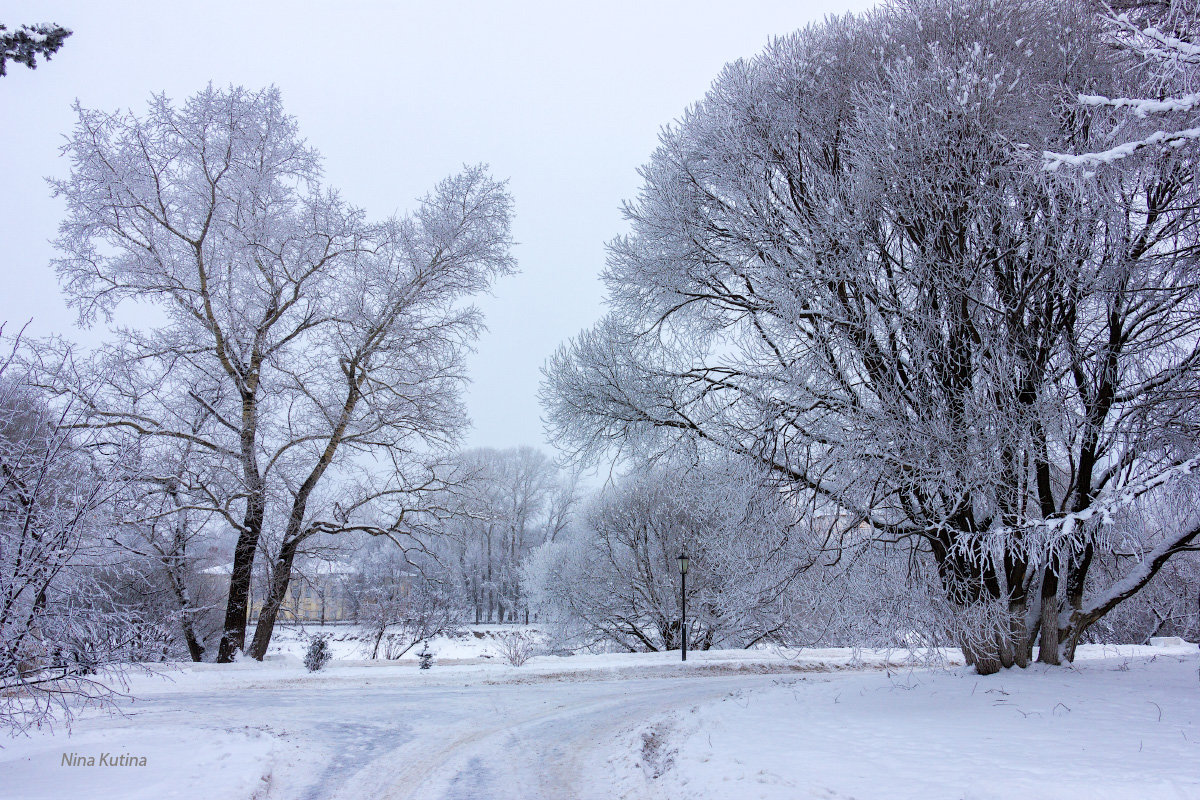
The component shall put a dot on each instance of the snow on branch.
(26, 43)
(1157, 139)
(1167, 52)
(1140, 575)
(1155, 43)
(1141, 106)
(1059, 533)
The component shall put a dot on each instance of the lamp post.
(683, 570)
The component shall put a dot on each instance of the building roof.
(308, 566)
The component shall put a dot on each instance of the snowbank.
(1122, 723)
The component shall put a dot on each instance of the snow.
(757, 723)
(1117, 727)
(180, 764)
(1143, 107)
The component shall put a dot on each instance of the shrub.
(516, 647)
(318, 654)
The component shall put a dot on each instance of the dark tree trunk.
(237, 610)
(195, 649)
(378, 638)
(281, 576)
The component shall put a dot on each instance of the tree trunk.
(1021, 652)
(195, 649)
(281, 576)
(237, 609)
(378, 638)
(183, 598)
(1048, 633)
(990, 644)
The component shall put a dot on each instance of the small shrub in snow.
(425, 657)
(516, 647)
(318, 654)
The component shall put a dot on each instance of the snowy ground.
(1118, 727)
(1123, 723)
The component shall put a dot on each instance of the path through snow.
(638, 727)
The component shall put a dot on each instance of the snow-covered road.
(375, 738)
(527, 741)
(1123, 723)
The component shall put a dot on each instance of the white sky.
(564, 99)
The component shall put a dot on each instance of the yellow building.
(316, 592)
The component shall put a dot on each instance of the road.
(543, 739)
(540, 741)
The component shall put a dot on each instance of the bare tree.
(614, 579)
(510, 502)
(324, 349)
(400, 598)
(864, 279)
(56, 626)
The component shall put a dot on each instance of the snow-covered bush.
(58, 625)
(516, 647)
(318, 654)
(399, 603)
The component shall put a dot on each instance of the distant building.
(317, 591)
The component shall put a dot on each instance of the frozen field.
(1123, 723)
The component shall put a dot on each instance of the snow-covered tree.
(849, 264)
(613, 579)
(318, 351)
(57, 626)
(508, 503)
(169, 532)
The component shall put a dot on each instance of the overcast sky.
(563, 99)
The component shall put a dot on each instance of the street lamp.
(683, 570)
